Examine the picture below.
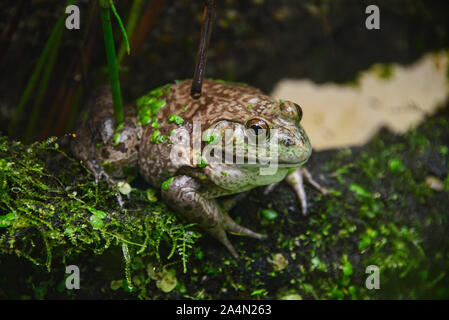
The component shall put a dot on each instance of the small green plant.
(105, 5)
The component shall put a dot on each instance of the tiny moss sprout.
(174, 118)
(149, 104)
(166, 184)
(157, 137)
(203, 163)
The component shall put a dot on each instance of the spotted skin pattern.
(192, 189)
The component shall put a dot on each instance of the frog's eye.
(257, 126)
(291, 108)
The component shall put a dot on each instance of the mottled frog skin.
(144, 142)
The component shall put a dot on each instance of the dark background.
(254, 41)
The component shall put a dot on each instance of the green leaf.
(166, 184)
(202, 163)
(395, 165)
(270, 214)
(358, 190)
(174, 118)
(122, 28)
(5, 220)
(347, 268)
(96, 221)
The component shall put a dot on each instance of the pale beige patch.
(339, 115)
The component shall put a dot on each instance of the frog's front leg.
(184, 196)
(295, 179)
(98, 172)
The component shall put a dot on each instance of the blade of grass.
(36, 72)
(131, 25)
(112, 61)
(120, 23)
(43, 85)
(79, 63)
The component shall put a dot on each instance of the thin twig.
(201, 59)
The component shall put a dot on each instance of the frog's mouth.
(267, 162)
(245, 159)
(273, 163)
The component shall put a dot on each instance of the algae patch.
(149, 104)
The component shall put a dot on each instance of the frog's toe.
(231, 226)
(119, 199)
(220, 235)
(296, 181)
(309, 179)
(270, 188)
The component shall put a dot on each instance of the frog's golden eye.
(257, 127)
(291, 108)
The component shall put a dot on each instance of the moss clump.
(157, 137)
(149, 104)
(174, 118)
(51, 210)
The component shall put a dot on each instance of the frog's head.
(276, 135)
(264, 131)
(282, 123)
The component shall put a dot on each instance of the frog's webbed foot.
(296, 180)
(184, 196)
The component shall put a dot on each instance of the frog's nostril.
(289, 141)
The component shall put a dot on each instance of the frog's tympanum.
(150, 139)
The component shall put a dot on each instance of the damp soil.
(381, 210)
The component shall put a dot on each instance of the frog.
(200, 191)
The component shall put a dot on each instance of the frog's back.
(94, 142)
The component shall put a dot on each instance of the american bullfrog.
(156, 138)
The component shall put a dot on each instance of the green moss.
(203, 163)
(61, 213)
(154, 123)
(269, 214)
(166, 184)
(210, 138)
(384, 71)
(157, 137)
(174, 118)
(116, 138)
(149, 104)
